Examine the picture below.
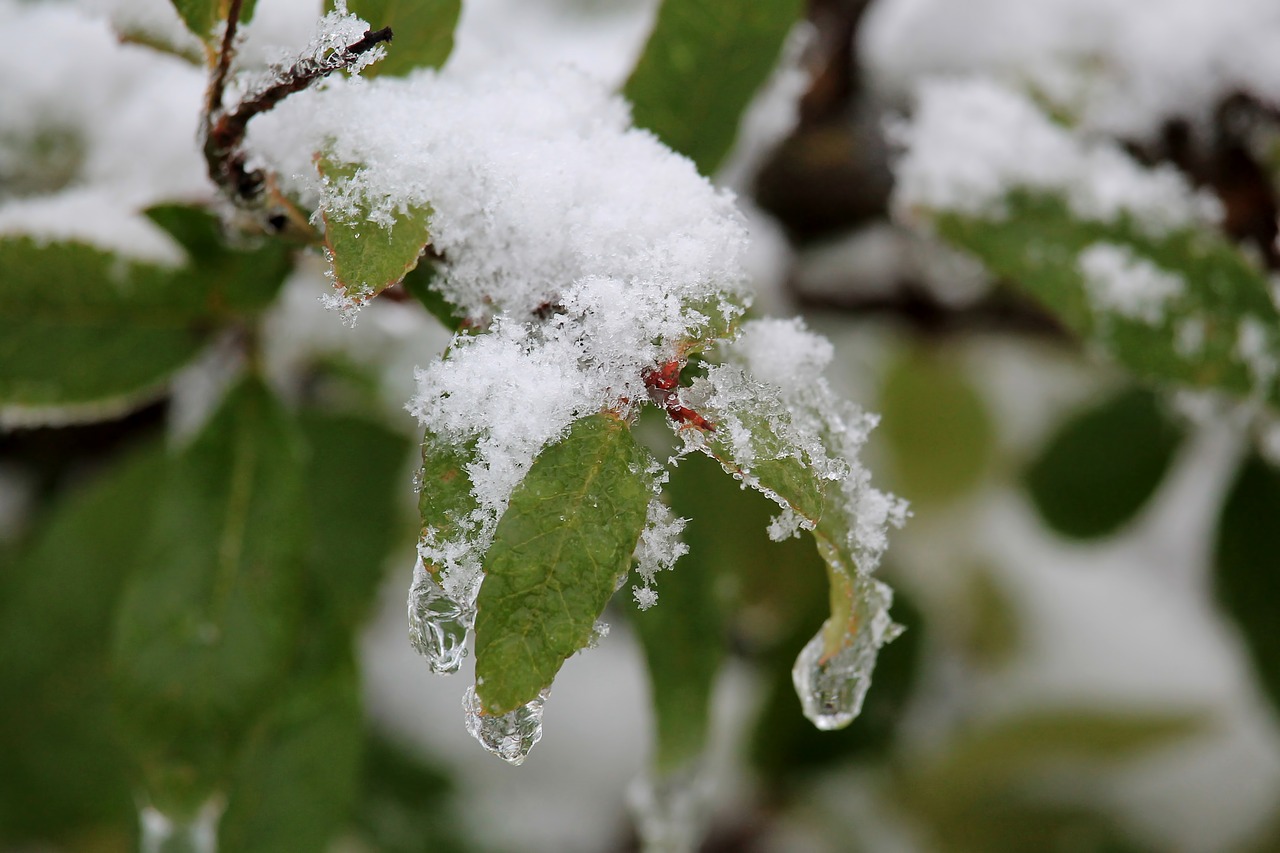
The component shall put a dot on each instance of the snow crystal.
(1119, 281)
(971, 142)
(645, 596)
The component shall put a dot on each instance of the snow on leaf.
(367, 256)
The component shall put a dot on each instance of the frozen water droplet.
(162, 833)
(509, 736)
(417, 481)
(831, 691)
(671, 810)
(438, 623)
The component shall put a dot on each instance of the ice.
(671, 810)
(163, 833)
(509, 736)
(438, 622)
(831, 690)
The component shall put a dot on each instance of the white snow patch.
(1119, 281)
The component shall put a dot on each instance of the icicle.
(831, 691)
(671, 810)
(197, 833)
(509, 736)
(438, 623)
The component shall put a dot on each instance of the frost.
(832, 689)
(972, 142)
(786, 525)
(659, 546)
(509, 736)
(1119, 281)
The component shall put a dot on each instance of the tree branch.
(225, 131)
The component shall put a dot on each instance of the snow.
(973, 141)
(129, 113)
(1119, 66)
(1132, 287)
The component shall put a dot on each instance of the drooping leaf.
(210, 619)
(1247, 566)
(63, 770)
(367, 256)
(936, 427)
(84, 331)
(1104, 464)
(295, 784)
(423, 32)
(558, 552)
(795, 459)
(353, 482)
(700, 68)
(1192, 310)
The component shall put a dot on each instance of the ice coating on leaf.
(972, 142)
(438, 622)
(1121, 282)
(832, 688)
(509, 736)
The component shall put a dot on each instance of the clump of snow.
(526, 179)
(783, 352)
(1121, 282)
(1256, 346)
(658, 549)
(1122, 67)
(972, 142)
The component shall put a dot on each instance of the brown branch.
(221, 71)
(225, 131)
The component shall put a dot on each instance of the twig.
(218, 85)
(224, 131)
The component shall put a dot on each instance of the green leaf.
(558, 552)
(1221, 331)
(700, 68)
(684, 637)
(445, 498)
(236, 278)
(418, 282)
(209, 620)
(423, 32)
(353, 482)
(407, 805)
(1247, 566)
(87, 331)
(205, 17)
(760, 443)
(1104, 464)
(295, 784)
(367, 257)
(63, 770)
(936, 427)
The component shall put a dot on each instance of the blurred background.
(1090, 582)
